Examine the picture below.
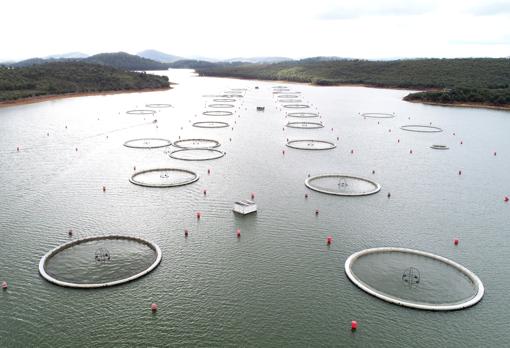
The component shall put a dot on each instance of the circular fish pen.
(304, 125)
(98, 262)
(439, 147)
(164, 177)
(296, 106)
(140, 112)
(196, 154)
(211, 124)
(221, 106)
(303, 114)
(414, 278)
(214, 96)
(288, 96)
(305, 144)
(197, 143)
(217, 113)
(290, 100)
(147, 143)
(158, 106)
(377, 115)
(224, 100)
(342, 185)
(233, 95)
(421, 128)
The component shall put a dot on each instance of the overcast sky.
(245, 28)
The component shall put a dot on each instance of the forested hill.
(125, 61)
(469, 80)
(71, 77)
(119, 60)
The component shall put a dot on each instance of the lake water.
(279, 284)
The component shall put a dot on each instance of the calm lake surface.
(279, 284)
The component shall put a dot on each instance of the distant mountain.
(70, 55)
(125, 61)
(159, 56)
(323, 59)
(263, 60)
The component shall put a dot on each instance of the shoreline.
(43, 98)
(462, 105)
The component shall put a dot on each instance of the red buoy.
(456, 241)
(507, 199)
(104, 188)
(494, 153)
(134, 167)
(354, 325)
(306, 195)
(154, 307)
(205, 192)
(373, 171)
(389, 195)
(460, 172)
(198, 215)
(398, 141)
(389, 130)
(411, 151)
(17, 149)
(4, 285)
(337, 138)
(70, 233)
(316, 211)
(352, 151)
(329, 240)
(238, 233)
(253, 195)
(208, 171)
(283, 152)
(185, 233)
(461, 142)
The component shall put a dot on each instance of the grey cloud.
(491, 9)
(391, 8)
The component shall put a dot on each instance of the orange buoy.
(185, 232)
(104, 188)
(4, 285)
(154, 307)
(238, 233)
(329, 240)
(456, 241)
(198, 215)
(354, 325)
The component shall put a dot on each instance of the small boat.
(256, 87)
(260, 108)
(245, 207)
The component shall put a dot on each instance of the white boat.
(245, 207)
(261, 108)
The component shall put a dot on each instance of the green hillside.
(71, 77)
